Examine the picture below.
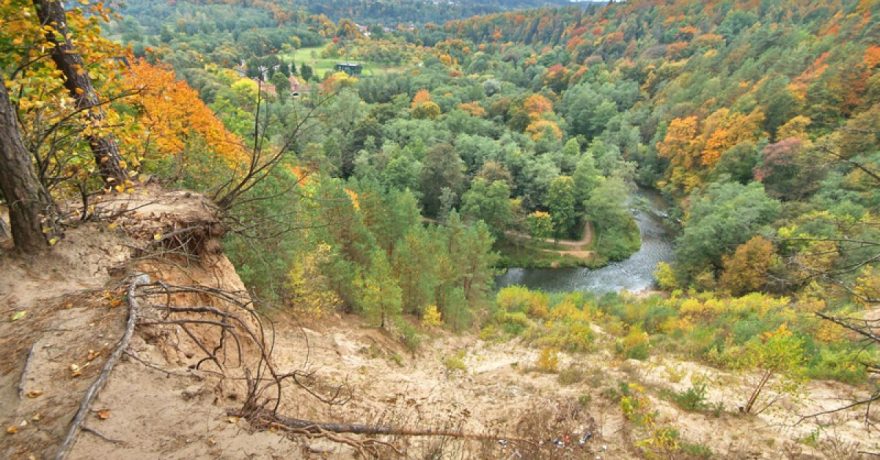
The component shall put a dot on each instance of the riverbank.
(553, 272)
(521, 250)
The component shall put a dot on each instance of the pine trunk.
(79, 84)
(28, 203)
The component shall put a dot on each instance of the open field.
(321, 65)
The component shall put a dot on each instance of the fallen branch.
(102, 435)
(264, 418)
(99, 383)
(24, 371)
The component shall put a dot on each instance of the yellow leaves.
(423, 107)
(867, 285)
(432, 317)
(75, 370)
(548, 360)
(353, 196)
(337, 81)
(33, 394)
(18, 315)
(541, 128)
(11, 429)
(680, 144)
(796, 127)
(781, 331)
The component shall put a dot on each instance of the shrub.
(455, 362)
(665, 277)
(548, 360)
(408, 335)
(584, 400)
(693, 399)
(635, 344)
(571, 376)
(432, 317)
(521, 299)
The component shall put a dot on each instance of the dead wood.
(98, 384)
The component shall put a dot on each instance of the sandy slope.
(156, 406)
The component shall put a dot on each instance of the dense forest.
(469, 146)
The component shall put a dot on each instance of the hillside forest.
(482, 137)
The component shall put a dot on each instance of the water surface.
(633, 274)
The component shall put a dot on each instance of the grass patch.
(455, 363)
(321, 65)
(571, 376)
(539, 255)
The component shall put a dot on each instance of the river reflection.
(633, 274)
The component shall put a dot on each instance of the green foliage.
(455, 363)
(617, 235)
(562, 117)
(489, 203)
(561, 198)
(635, 344)
(693, 399)
(380, 300)
(540, 225)
(726, 215)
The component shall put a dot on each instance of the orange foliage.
(724, 129)
(747, 269)
(676, 49)
(422, 96)
(473, 108)
(872, 56)
(539, 128)
(816, 69)
(355, 199)
(681, 144)
(173, 113)
(537, 105)
(687, 31)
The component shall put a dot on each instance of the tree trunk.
(79, 84)
(29, 204)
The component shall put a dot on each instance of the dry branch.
(262, 418)
(98, 384)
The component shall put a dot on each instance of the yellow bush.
(432, 317)
(518, 298)
(665, 277)
(548, 360)
(635, 344)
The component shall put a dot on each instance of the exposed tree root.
(265, 419)
(98, 384)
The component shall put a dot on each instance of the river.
(633, 274)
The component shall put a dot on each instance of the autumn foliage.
(173, 115)
(746, 270)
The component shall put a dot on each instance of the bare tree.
(77, 81)
(30, 207)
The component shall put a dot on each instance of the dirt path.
(579, 249)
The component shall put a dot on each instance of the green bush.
(693, 399)
(635, 344)
(455, 363)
